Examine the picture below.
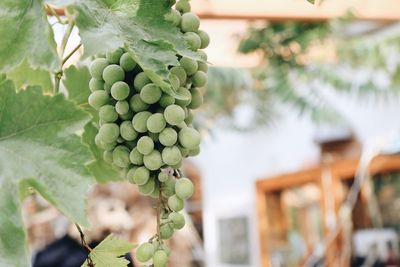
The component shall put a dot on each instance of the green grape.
(160, 258)
(184, 188)
(141, 175)
(130, 174)
(95, 85)
(184, 151)
(156, 192)
(127, 116)
(189, 65)
(166, 249)
(189, 116)
(199, 79)
(97, 67)
(148, 187)
(175, 203)
(107, 113)
(168, 137)
(127, 62)
(127, 132)
(197, 98)
(188, 96)
(113, 74)
(205, 39)
(174, 80)
(121, 156)
(144, 252)
(107, 88)
(166, 100)
(107, 156)
(174, 17)
(202, 55)
(120, 90)
(150, 93)
(103, 145)
(171, 155)
(190, 22)
(109, 132)
(155, 244)
(193, 40)
(136, 157)
(140, 81)
(194, 152)
(122, 107)
(202, 66)
(183, 6)
(163, 177)
(145, 145)
(153, 136)
(114, 56)
(98, 99)
(156, 123)
(177, 166)
(153, 160)
(168, 187)
(180, 73)
(137, 104)
(174, 114)
(139, 121)
(166, 231)
(178, 220)
(189, 137)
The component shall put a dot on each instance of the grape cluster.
(145, 132)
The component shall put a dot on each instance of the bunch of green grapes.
(146, 133)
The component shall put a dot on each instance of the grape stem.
(85, 245)
(159, 202)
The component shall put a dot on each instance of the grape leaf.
(76, 81)
(39, 150)
(25, 33)
(140, 27)
(108, 253)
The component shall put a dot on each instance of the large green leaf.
(39, 150)
(137, 25)
(25, 33)
(76, 81)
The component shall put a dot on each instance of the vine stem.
(71, 53)
(85, 245)
(65, 38)
(159, 215)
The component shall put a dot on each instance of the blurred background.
(299, 164)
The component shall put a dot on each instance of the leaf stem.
(70, 54)
(159, 214)
(66, 36)
(85, 245)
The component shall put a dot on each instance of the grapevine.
(145, 132)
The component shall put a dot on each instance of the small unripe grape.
(190, 22)
(194, 152)
(184, 151)
(183, 6)
(113, 74)
(175, 203)
(153, 160)
(107, 113)
(171, 155)
(202, 55)
(188, 97)
(197, 98)
(107, 88)
(139, 121)
(97, 67)
(120, 90)
(148, 187)
(168, 187)
(174, 80)
(109, 132)
(189, 116)
(103, 145)
(141, 175)
(107, 156)
(189, 138)
(156, 123)
(156, 192)
(166, 231)
(127, 116)
(205, 39)
(95, 85)
(137, 104)
(162, 177)
(199, 79)
(144, 252)
(166, 100)
(98, 99)
(136, 157)
(193, 40)
(150, 93)
(121, 156)
(127, 62)
(114, 56)
(122, 107)
(202, 66)
(130, 175)
(180, 73)
(174, 114)
(127, 132)
(174, 17)
(160, 258)
(140, 81)
(178, 220)
(189, 65)
(168, 137)
(145, 145)
(184, 188)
